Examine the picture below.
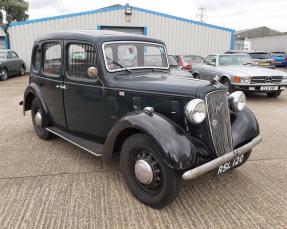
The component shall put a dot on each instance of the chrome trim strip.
(138, 42)
(211, 165)
(61, 136)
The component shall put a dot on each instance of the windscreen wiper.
(118, 64)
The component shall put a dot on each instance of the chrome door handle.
(61, 86)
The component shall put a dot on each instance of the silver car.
(238, 72)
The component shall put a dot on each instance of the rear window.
(260, 55)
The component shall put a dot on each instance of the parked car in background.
(260, 58)
(279, 58)
(109, 101)
(237, 72)
(175, 69)
(186, 61)
(10, 64)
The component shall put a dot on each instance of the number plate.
(264, 64)
(229, 165)
(269, 88)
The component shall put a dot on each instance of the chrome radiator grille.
(266, 79)
(219, 121)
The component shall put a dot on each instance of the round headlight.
(195, 111)
(237, 101)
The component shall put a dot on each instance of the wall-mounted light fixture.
(128, 10)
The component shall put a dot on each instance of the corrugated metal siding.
(180, 37)
(269, 43)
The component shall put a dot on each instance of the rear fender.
(178, 151)
(31, 92)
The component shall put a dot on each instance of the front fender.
(244, 127)
(30, 93)
(177, 150)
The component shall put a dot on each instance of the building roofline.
(114, 8)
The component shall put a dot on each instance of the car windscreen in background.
(259, 55)
(281, 54)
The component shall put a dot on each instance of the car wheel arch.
(179, 154)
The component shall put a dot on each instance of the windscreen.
(3, 55)
(226, 60)
(260, 55)
(193, 59)
(134, 55)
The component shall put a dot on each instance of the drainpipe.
(7, 36)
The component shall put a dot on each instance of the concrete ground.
(53, 184)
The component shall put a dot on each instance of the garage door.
(135, 30)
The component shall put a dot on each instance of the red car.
(186, 61)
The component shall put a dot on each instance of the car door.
(16, 62)
(50, 78)
(84, 96)
(9, 63)
(208, 71)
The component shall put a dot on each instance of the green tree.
(16, 10)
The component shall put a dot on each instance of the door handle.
(61, 86)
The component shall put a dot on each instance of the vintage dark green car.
(10, 64)
(113, 94)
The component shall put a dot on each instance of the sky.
(234, 14)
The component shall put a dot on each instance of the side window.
(80, 58)
(14, 55)
(36, 59)
(52, 54)
(211, 60)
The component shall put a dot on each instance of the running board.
(89, 146)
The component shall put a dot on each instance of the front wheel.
(273, 94)
(40, 120)
(226, 82)
(22, 71)
(149, 179)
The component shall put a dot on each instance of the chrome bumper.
(209, 166)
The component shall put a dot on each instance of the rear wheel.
(4, 74)
(273, 94)
(22, 72)
(149, 179)
(40, 120)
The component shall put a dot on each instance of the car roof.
(97, 36)
(245, 51)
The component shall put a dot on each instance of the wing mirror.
(92, 72)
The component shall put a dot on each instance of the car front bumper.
(257, 87)
(211, 165)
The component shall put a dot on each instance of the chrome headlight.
(195, 111)
(237, 101)
(284, 79)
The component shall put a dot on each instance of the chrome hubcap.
(38, 118)
(143, 171)
(4, 74)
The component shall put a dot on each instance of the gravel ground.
(53, 184)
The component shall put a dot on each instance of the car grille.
(219, 121)
(266, 79)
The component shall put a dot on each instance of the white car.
(238, 72)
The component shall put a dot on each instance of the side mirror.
(92, 72)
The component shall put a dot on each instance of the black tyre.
(4, 74)
(149, 179)
(40, 120)
(245, 158)
(226, 82)
(273, 94)
(22, 71)
(196, 76)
